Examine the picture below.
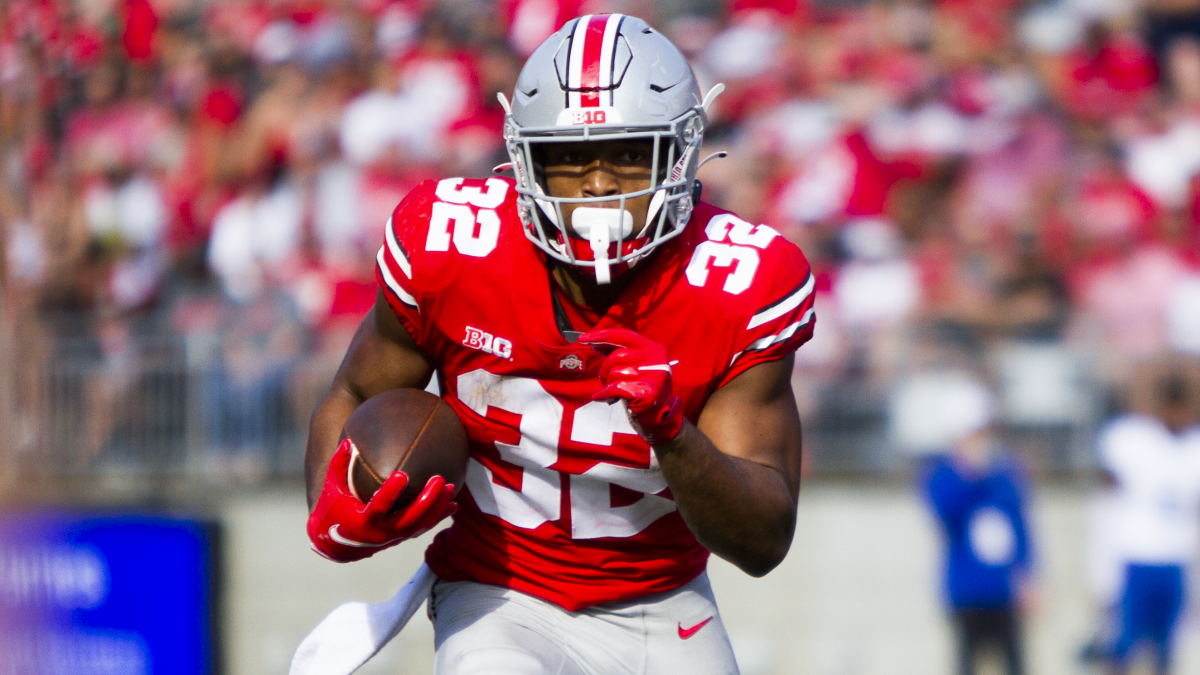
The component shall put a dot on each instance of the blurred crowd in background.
(993, 190)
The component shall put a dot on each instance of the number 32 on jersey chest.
(542, 444)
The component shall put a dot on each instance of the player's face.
(600, 169)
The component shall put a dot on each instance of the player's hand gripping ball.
(411, 437)
(344, 529)
(637, 370)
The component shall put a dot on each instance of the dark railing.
(175, 409)
(160, 411)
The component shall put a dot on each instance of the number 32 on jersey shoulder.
(455, 207)
(732, 242)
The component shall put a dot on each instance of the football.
(410, 430)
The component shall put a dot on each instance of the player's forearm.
(324, 434)
(382, 356)
(740, 510)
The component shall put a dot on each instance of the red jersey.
(563, 500)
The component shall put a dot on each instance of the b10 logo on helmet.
(575, 116)
(488, 343)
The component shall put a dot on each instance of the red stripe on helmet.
(589, 76)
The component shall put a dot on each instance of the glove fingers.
(442, 508)
(599, 338)
(630, 360)
(622, 359)
(383, 498)
(422, 504)
(432, 508)
(630, 364)
(624, 372)
(617, 337)
(609, 393)
(638, 395)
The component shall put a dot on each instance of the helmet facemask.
(606, 77)
(674, 149)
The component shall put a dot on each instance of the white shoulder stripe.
(784, 306)
(783, 334)
(391, 281)
(763, 343)
(396, 251)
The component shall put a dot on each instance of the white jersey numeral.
(739, 231)
(592, 512)
(455, 207)
(452, 190)
(744, 259)
(538, 498)
(741, 253)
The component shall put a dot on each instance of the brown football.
(410, 430)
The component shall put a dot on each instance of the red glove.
(638, 371)
(343, 529)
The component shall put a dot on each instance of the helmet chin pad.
(601, 236)
(592, 223)
(601, 227)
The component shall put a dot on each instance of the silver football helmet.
(604, 77)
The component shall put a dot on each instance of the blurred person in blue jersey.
(977, 493)
(1152, 462)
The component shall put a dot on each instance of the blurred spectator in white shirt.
(1153, 518)
(253, 238)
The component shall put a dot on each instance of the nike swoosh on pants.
(685, 633)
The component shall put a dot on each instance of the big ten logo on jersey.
(470, 205)
(732, 242)
(535, 496)
(488, 343)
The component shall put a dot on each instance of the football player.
(620, 354)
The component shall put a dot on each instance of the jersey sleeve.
(394, 263)
(782, 316)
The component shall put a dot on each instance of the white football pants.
(489, 630)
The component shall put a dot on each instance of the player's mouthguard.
(600, 227)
